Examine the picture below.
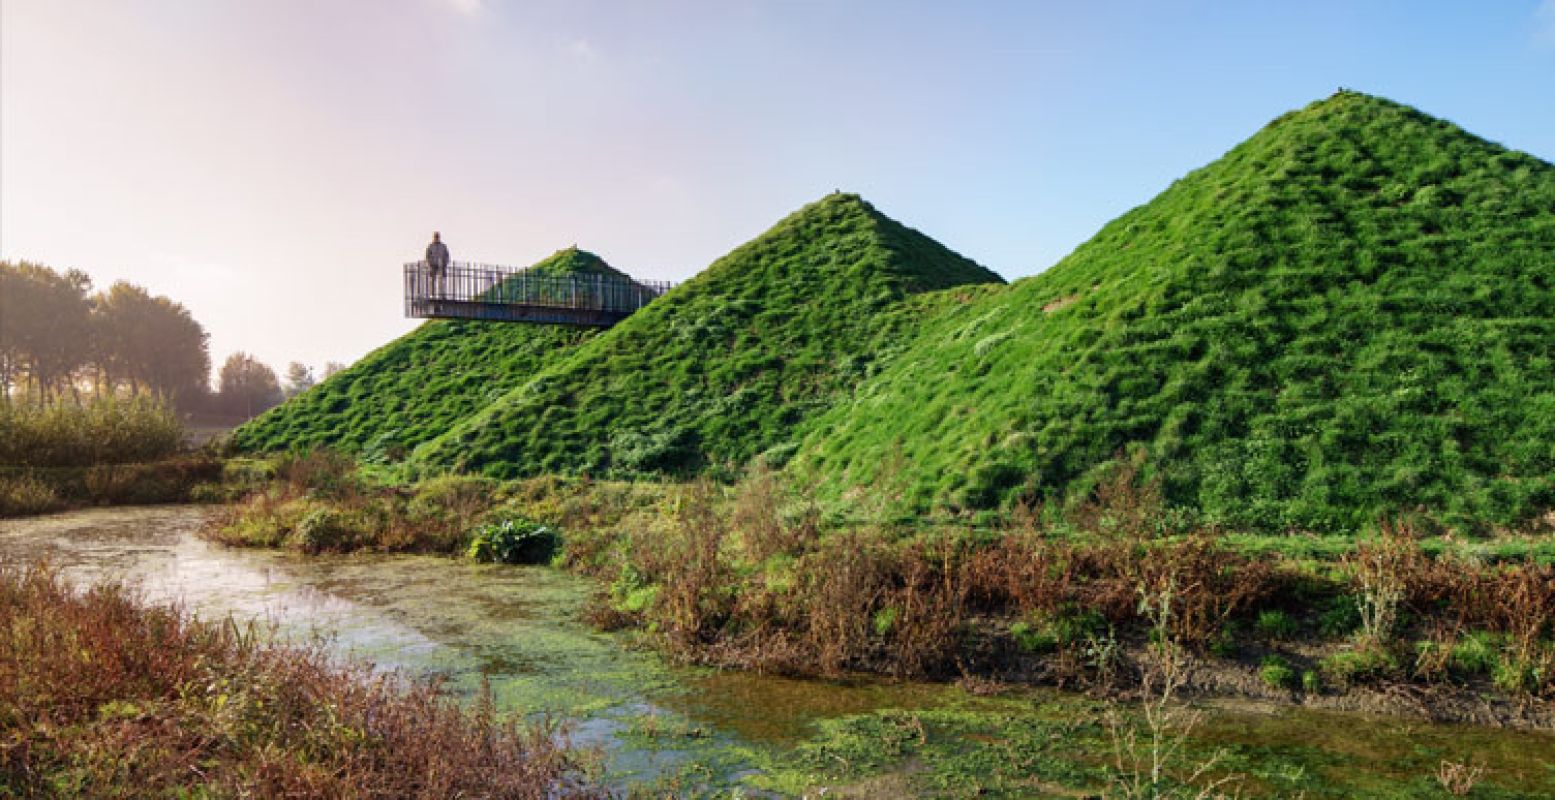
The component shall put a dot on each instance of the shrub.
(514, 541)
(1276, 624)
(21, 495)
(100, 432)
(1311, 681)
(1340, 617)
(1476, 654)
(325, 472)
(1277, 673)
(462, 497)
(1356, 667)
(330, 530)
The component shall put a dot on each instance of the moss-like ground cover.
(1346, 317)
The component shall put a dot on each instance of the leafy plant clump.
(514, 542)
(1344, 318)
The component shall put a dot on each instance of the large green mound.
(725, 366)
(1347, 316)
(418, 386)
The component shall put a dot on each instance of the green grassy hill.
(419, 385)
(1348, 315)
(725, 366)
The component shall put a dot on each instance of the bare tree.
(299, 378)
(247, 386)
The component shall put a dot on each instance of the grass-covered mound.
(418, 386)
(725, 366)
(1347, 316)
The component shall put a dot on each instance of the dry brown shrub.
(1123, 504)
(149, 701)
(928, 606)
(844, 581)
(697, 583)
(1212, 584)
(758, 516)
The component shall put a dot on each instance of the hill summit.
(1347, 316)
(725, 366)
(418, 386)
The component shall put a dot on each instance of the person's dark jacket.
(437, 256)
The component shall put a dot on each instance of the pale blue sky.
(261, 160)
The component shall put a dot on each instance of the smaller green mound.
(571, 277)
(725, 366)
(418, 386)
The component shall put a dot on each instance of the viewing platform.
(504, 294)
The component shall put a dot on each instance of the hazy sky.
(271, 163)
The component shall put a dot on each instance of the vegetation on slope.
(418, 386)
(725, 366)
(1346, 317)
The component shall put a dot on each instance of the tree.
(151, 342)
(44, 324)
(331, 368)
(247, 386)
(299, 378)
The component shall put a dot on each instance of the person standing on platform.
(437, 263)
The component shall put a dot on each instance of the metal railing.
(491, 292)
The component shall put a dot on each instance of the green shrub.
(1356, 667)
(1277, 673)
(1517, 676)
(1031, 639)
(884, 620)
(1340, 617)
(1070, 625)
(514, 541)
(331, 530)
(1311, 681)
(1478, 653)
(1275, 624)
(1226, 643)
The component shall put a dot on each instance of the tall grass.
(103, 695)
(105, 452)
(105, 431)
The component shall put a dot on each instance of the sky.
(271, 163)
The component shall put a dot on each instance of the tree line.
(62, 340)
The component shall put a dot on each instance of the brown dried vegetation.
(103, 695)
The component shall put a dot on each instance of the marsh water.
(518, 629)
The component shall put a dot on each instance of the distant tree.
(299, 378)
(331, 368)
(247, 387)
(44, 328)
(151, 343)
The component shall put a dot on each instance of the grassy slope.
(1348, 315)
(418, 386)
(725, 366)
